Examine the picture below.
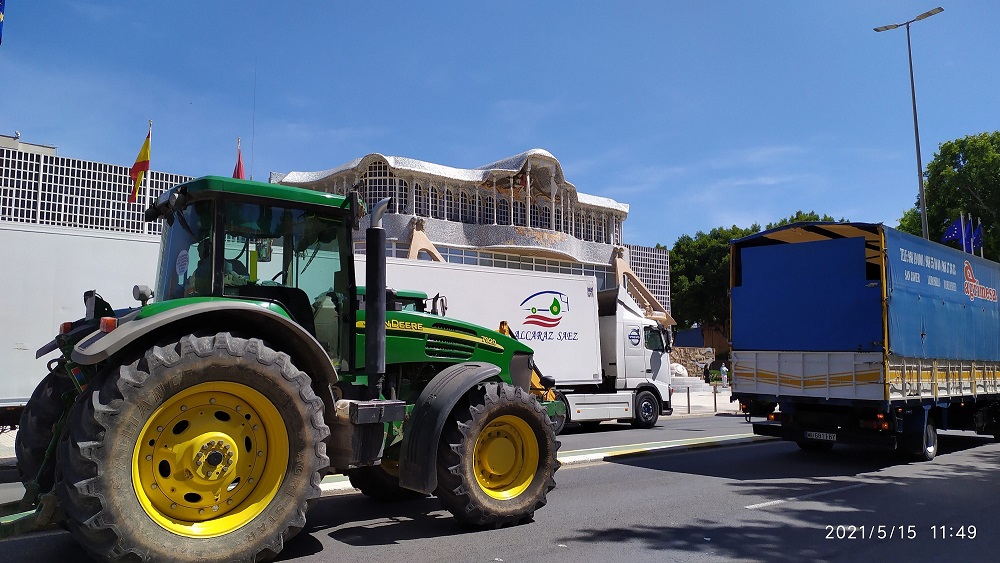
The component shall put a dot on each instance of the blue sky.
(698, 114)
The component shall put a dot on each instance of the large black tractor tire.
(496, 457)
(647, 410)
(207, 449)
(381, 482)
(36, 428)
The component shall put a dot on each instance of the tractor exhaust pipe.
(375, 300)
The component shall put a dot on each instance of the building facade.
(519, 212)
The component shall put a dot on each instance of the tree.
(963, 177)
(699, 276)
(802, 217)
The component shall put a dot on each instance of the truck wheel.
(928, 444)
(496, 457)
(208, 449)
(381, 482)
(559, 420)
(647, 410)
(34, 432)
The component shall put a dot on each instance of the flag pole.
(982, 247)
(961, 216)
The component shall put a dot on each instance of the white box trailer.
(49, 269)
(609, 361)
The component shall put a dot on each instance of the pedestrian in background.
(725, 375)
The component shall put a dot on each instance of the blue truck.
(862, 334)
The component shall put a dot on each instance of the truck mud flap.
(421, 432)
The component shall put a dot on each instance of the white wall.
(43, 274)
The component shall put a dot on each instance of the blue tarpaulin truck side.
(864, 334)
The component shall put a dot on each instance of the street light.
(913, 98)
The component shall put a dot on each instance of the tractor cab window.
(293, 257)
(186, 253)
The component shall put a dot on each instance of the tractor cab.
(225, 238)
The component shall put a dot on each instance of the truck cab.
(634, 349)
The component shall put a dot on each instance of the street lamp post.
(913, 98)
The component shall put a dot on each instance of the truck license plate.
(829, 437)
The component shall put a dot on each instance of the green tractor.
(198, 426)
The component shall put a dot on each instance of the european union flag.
(954, 230)
(977, 238)
(1, 21)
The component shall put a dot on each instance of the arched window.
(419, 201)
(437, 209)
(503, 212)
(589, 232)
(546, 222)
(536, 216)
(402, 196)
(559, 220)
(488, 216)
(465, 209)
(377, 180)
(519, 213)
(578, 225)
(449, 205)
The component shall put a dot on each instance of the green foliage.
(699, 276)
(963, 177)
(803, 217)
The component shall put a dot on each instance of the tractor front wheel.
(497, 457)
(208, 449)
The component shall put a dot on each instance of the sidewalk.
(704, 402)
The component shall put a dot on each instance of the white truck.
(609, 361)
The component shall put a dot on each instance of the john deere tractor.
(198, 426)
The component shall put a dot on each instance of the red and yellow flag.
(140, 167)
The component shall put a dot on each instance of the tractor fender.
(422, 430)
(244, 317)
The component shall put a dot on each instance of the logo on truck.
(545, 308)
(976, 290)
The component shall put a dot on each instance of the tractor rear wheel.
(35, 431)
(497, 457)
(208, 449)
(381, 482)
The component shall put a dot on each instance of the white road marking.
(805, 497)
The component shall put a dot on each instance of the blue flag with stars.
(953, 231)
(1, 20)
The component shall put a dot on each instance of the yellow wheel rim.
(505, 457)
(210, 459)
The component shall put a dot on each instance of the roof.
(818, 230)
(505, 167)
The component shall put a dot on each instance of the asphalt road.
(762, 501)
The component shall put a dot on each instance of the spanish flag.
(140, 167)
